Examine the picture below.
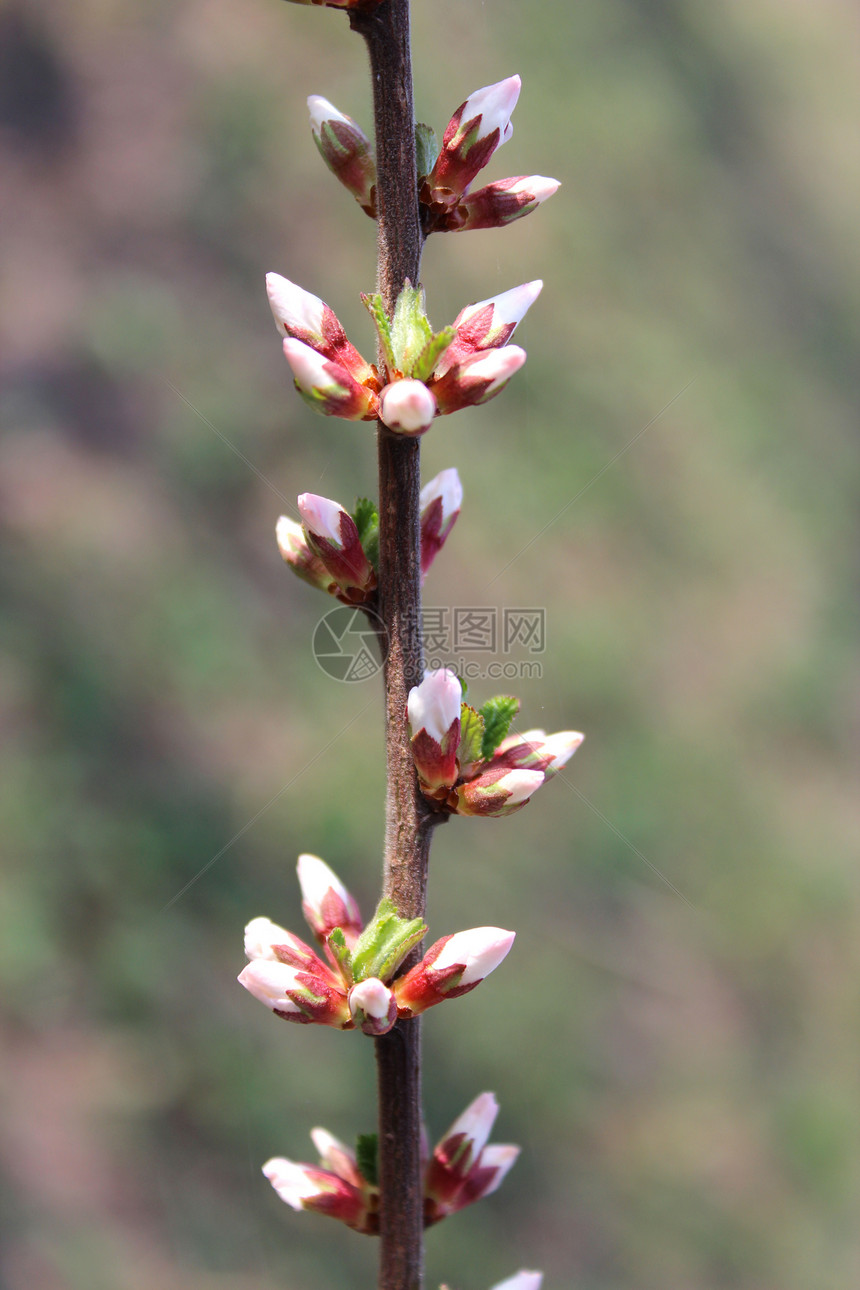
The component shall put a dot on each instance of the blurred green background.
(674, 1040)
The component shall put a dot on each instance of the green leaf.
(367, 1157)
(336, 942)
(411, 332)
(385, 942)
(376, 309)
(425, 364)
(471, 735)
(498, 713)
(366, 519)
(426, 149)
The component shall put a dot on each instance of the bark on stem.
(408, 820)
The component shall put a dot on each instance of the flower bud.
(333, 537)
(487, 1175)
(295, 551)
(266, 940)
(299, 315)
(335, 1157)
(458, 1150)
(478, 379)
(501, 203)
(303, 996)
(373, 1006)
(478, 127)
(308, 1187)
(407, 406)
(498, 792)
(434, 715)
(451, 967)
(327, 386)
(440, 504)
(326, 903)
(535, 750)
(488, 324)
(346, 150)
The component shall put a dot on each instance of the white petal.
(315, 879)
(293, 308)
(520, 784)
(371, 996)
(446, 485)
(434, 705)
(322, 516)
(321, 111)
(290, 1181)
(494, 104)
(260, 935)
(268, 981)
(481, 949)
(407, 405)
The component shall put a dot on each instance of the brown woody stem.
(408, 819)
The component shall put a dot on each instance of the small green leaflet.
(366, 519)
(367, 1157)
(426, 149)
(498, 713)
(385, 942)
(471, 735)
(408, 341)
(337, 944)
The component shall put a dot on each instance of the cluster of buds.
(463, 1168)
(467, 762)
(476, 130)
(339, 553)
(429, 373)
(357, 984)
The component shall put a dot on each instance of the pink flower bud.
(535, 750)
(451, 967)
(295, 551)
(373, 1006)
(434, 705)
(440, 503)
(500, 203)
(307, 1187)
(266, 940)
(346, 150)
(336, 1158)
(498, 792)
(407, 406)
(296, 995)
(478, 127)
(478, 379)
(327, 385)
(488, 324)
(326, 903)
(459, 1149)
(434, 715)
(487, 1175)
(299, 315)
(333, 537)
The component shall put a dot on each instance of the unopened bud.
(440, 503)
(478, 379)
(332, 535)
(478, 127)
(326, 903)
(407, 406)
(434, 716)
(451, 967)
(295, 552)
(346, 150)
(501, 203)
(373, 1006)
(498, 792)
(327, 386)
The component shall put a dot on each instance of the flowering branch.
(444, 756)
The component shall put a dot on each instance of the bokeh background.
(674, 1040)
